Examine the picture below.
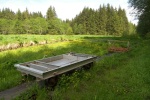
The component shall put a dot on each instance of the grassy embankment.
(9, 39)
(123, 76)
(10, 77)
(9, 42)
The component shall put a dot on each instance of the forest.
(106, 20)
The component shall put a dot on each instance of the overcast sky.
(65, 9)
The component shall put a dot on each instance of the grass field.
(7, 39)
(10, 77)
(121, 76)
(9, 42)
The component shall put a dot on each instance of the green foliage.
(37, 26)
(19, 15)
(143, 24)
(139, 5)
(142, 9)
(78, 29)
(121, 76)
(55, 26)
(6, 26)
(25, 14)
(51, 14)
(132, 29)
(18, 27)
(6, 13)
(104, 21)
(10, 77)
(10, 39)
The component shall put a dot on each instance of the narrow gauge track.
(16, 91)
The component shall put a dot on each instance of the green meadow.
(119, 76)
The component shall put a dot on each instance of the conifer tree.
(102, 16)
(110, 16)
(25, 14)
(19, 15)
(51, 13)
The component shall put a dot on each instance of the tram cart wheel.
(88, 66)
(51, 82)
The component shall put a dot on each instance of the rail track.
(16, 91)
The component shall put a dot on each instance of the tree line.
(106, 20)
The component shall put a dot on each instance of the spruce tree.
(102, 16)
(51, 13)
(19, 15)
(25, 14)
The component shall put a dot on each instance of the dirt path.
(13, 92)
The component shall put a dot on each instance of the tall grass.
(10, 77)
(6, 39)
(120, 77)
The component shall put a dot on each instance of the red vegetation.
(118, 49)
